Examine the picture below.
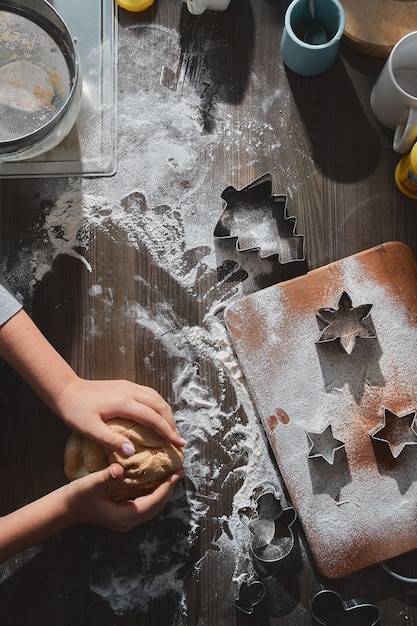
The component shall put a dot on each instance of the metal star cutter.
(345, 323)
(324, 444)
(397, 431)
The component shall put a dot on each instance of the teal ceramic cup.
(311, 59)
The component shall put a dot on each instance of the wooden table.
(204, 103)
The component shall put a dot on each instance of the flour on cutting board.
(163, 199)
(348, 510)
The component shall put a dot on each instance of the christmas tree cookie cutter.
(256, 220)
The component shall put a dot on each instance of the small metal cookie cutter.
(250, 595)
(255, 236)
(254, 219)
(345, 323)
(324, 444)
(272, 541)
(410, 580)
(272, 535)
(397, 431)
(328, 608)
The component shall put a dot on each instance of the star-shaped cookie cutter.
(397, 430)
(324, 444)
(256, 220)
(345, 323)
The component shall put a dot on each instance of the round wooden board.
(374, 26)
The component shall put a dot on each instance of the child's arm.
(82, 501)
(84, 405)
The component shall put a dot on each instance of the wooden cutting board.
(362, 508)
(374, 26)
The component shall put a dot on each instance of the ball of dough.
(154, 459)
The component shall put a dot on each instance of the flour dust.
(166, 198)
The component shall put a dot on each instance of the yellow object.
(406, 174)
(135, 5)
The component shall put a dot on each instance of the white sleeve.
(9, 306)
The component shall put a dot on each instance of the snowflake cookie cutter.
(256, 220)
(346, 323)
(329, 609)
(397, 430)
(271, 529)
(323, 444)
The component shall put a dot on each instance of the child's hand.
(89, 503)
(84, 500)
(85, 406)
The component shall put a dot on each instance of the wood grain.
(374, 27)
(335, 163)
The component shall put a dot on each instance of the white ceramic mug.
(197, 7)
(394, 95)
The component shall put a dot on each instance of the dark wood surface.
(325, 151)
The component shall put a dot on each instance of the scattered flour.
(240, 455)
(164, 199)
